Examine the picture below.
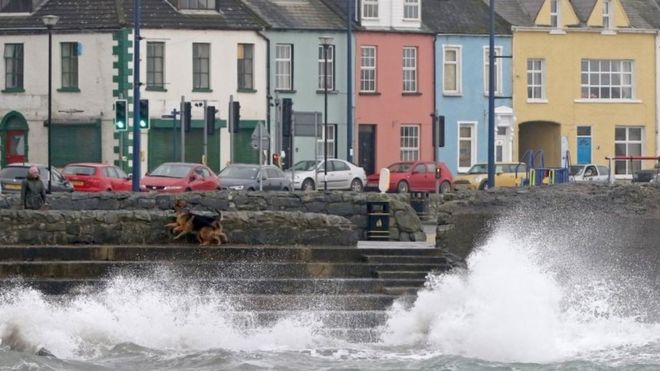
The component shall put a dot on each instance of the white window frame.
(330, 79)
(284, 67)
(458, 49)
(409, 73)
(370, 9)
(627, 142)
(320, 142)
(473, 144)
(409, 138)
(538, 72)
(368, 69)
(597, 81)
(498, 70)
(608, 15)
(555, 14)
(411, 10)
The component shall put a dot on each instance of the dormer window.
(197, 4)
(411, 9)
(554, 13)
(607, 14)
(370, 8)
(15, 6)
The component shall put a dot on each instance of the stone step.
(401, 290)
(226, 253)
(326, 319)
(398, 275)
(92, 269)
(353, 335)
(270, 286)
(407, 259)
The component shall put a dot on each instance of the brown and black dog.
(207, 229)
(212, 233)
(184, 220)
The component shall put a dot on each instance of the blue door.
(584, 150)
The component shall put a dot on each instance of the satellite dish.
(384, 180)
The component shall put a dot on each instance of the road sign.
(260, 132)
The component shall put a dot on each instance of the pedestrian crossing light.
(121, 115)
(144, 114)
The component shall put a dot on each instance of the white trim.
(534, 71)
(612, 101)
(369, 68)
(499, 89)
(537, 101)
(473, 146)
(459, 69)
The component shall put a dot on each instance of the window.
(451, 70)
(245, 56)
(370, 8)
(554, 13)
(607, 79)
(498, 70)
(409, 142)
(69, 65)
(409, 70)
(368, 69)
(13, 66)
(14, 6)
(155, 65)
(201, 64)
(607, 14)
(535, 79)
(466, 146)
(411, 9)
(627, 142)
(283, 67)
(197, 4)
(320, 142)
(330, 78)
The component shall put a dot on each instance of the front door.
(584, 145)
(15, 146)
(367, 148)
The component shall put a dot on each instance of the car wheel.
(445, 187)
(402, 187)
(286, 189)
(250, 189)
(308, 185)
(188, 190)
(483, 186)
(356, 185)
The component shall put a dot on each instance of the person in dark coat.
(33, 192)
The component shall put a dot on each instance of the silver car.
(342, 175)
(252, 177)
(589, 173)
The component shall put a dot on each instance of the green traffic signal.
(144, 114)
(121, 115)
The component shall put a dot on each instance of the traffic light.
(235, 117)
(210, 119)
(121, 115)
(287, 116)
(439, 131)
(187, 121)
(144, 114)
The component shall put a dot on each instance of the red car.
(94, 177)
(180, 177)
(415, 176)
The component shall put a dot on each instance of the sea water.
(527, 301)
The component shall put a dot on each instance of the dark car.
(645, 176)
(12, 176)
(249, 176)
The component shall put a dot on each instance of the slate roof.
(461, 17)
(297, 14)
(339, 6)
(643, 13)
(515, 12)
(74, 15)
(583, 9)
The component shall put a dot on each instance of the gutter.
(268, 96)
(657, 96)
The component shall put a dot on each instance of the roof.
(297, 14)
(518, 12)
(461, 17)
(74, 15)
(583, 9)
(643, 13)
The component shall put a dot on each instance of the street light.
(326, 41)
(50, 21)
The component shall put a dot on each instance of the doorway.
(367, 148)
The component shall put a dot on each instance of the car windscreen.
(19, 172)
(239, 172)
(171, 171)
(79, 170)
(400, 167)
(305, 165)
(478, 169)
(576, 170)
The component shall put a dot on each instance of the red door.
(15, 146)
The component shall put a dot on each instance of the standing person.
(33, 192)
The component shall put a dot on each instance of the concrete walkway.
(429, 243)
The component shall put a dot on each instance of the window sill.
(285, 91)
(202, 90)
(608, 101)
(155, 88)
(69, 90)
(244, 90)
(608, 32)
(334, 92)
(369, 93)
(557, 31)
(452, 94)
(496, 95)
(411, 94)
(13, 90)
(537, 101)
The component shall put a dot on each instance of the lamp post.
(50, 21)
(326, 41)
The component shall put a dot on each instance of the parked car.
(249, 176)
(414, 176)
(645, 176)
(589, 173)
(343, 175)
(95, 177)
(507, 174)
(180, 177)
(13, 174)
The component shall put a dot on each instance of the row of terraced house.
(574, 78)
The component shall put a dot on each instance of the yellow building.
(584, 81)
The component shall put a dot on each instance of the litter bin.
(378, 220)
(419, 201)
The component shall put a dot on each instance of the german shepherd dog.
(212, 233)
(183, 222)
(207, 229)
